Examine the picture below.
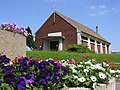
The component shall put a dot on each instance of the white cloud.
(92, 14)
(102, 6)
(99, 10)
(92, 7)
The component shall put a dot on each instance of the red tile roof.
(81, 27)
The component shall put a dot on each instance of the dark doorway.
(54, 45)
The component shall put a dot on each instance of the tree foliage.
(30, 41)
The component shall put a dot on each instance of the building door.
(54, 45)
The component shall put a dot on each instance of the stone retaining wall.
(12, 44)
(110, 86)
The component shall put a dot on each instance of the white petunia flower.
(64, 63)
(92, 67)
(98, 66)
(75, 76)
(112, 71)
(102, 75)
(93, 78)
(80, 65)
(86, 70)
(104, 64)
(88, 67)
(82, 79)
(73, 69)
(107, 65)
(89, 62)
(118, 71)
(71, 66)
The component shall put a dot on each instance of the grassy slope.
(60, 55)
(77, 56)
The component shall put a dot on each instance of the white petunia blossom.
(92, 67)
(80, 65)
(104, 64)
(102, 75)
(87, 67)
(64, 63)
(75, 76)
(81, 62)
(93, 78)
(89, 62)
(86, 70)
(98, 66)
(71, 66)
(112, 71)
(82, 79)
(118, 71)
(107, 65)
(74, 71)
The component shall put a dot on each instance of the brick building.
(60, 31)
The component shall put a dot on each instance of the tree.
(30, 41)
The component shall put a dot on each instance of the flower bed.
(27, 73)
(13, 28)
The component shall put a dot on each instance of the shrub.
(78, 48)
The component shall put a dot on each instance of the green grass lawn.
(60, 55)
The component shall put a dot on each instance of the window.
(84, 38)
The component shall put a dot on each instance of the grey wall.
(12, 44)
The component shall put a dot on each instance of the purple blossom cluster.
(23, 73)
(14, 28)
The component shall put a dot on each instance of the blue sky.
(33, 13)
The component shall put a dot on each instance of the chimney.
(97, 29)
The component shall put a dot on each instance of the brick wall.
(12, 44)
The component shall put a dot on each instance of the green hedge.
(78, 48)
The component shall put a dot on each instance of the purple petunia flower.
(66, 71)
(29, 78)
(55, 80)
(20, 83)
(43, 81)
(58, 74)
(31, 63)
(24, 67)
(51, 61)
(4, 59)
(7, 69)
(9, 78)
(47, 78)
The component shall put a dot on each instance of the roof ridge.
(80, 26)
